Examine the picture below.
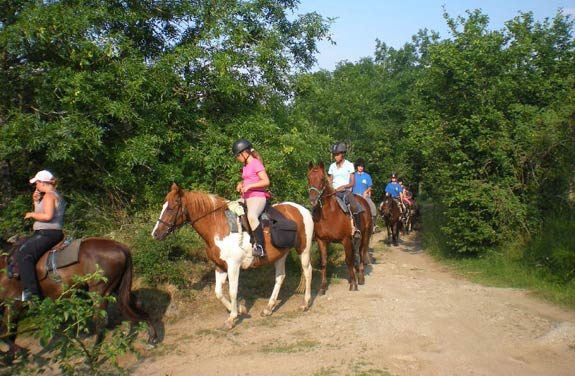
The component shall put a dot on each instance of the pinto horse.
(113, 259)
(332, 224)
(391, 214)
(232, 251)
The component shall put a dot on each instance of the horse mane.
(202, 203)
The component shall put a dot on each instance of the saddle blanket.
(64, 255)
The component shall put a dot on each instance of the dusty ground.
(412, 317)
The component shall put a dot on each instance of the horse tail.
(126, 299)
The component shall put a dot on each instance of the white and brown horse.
(232, 251)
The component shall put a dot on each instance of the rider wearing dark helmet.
(362, 186)
(253, 186)
(341, 177)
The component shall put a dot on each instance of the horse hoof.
(229, 324)
(361, 281)
(321, 291)
(153, 341)
(304, 308)
(266, 312)
(242, 309)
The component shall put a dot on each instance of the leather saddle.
(283, 231)
(61, 255)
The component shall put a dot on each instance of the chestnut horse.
(112, 258)
(232, 251)
(392, 217)
(331, 224)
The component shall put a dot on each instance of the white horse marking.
(161, 214)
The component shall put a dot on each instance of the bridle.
(184, 212)
(173, 226)
(320, 193)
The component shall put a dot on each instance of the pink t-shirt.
(250, 176)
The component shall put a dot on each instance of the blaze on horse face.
(172, 215)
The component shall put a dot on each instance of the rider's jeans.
(31, 251)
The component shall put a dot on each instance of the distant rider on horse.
(363, 186)
(394, 190)
(406, 196)
(341, 177)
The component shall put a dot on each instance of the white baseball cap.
(43, 175)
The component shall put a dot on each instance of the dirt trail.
(412, 317)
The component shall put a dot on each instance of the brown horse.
(331, 224)
(232, 251)
(392, 217)
(114, 259)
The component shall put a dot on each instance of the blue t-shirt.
(362, 183)
(394, 189)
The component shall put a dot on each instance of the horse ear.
(310, 165)
(320, 165)
(175, 187)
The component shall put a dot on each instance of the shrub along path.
(412, 317)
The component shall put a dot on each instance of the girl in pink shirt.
(252, 188)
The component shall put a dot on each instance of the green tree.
(121, 98)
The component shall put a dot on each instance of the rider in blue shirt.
(362, 186)
(394, 190)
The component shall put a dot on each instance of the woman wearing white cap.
(48, 216)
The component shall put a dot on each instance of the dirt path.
(412, 317)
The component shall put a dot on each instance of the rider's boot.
(27, 295)
(258, 247)
(357, 225)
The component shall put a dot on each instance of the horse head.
(173, 214)
(317, 183)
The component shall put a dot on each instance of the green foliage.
(517, 263)
(62, 326)
(120, 99)
(179, 259)
(554, 248)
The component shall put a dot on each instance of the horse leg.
(322, 245)
(358, 258)
(233, 278)
(306, 273)
(280, 272)
(349, 260)
(9, 330)
(221, 277)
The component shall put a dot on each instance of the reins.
(320, 193)
(172, 226)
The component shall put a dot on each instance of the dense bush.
(553, 249)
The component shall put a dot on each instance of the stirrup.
(27, 295)
(258, 250)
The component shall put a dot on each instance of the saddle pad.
(232, 220)
(342, 204)
(59, 258)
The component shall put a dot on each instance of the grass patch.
(513, 265)
(286, 348)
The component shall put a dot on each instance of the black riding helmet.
(359, 162)
(340, 147)
(240, 145)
